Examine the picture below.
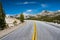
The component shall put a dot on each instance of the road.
(34, 30)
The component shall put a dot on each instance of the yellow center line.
(34, 37)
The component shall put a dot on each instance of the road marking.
(34, 36)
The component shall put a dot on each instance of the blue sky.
(13, 7)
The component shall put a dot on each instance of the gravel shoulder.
(9, 30)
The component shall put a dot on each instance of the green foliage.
(21, 17)
(2, 18)
(55, 19)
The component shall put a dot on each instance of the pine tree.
(21, 17)
(2, 18)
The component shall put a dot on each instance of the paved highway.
(34, 30)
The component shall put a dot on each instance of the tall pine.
(21, 17)
(2, 18)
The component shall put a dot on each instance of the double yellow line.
(34, 37)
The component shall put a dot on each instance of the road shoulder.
(9, 30)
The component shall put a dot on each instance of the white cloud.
(25, 13)
(27, 2)
(9, 14)
(43, 5)
(29, 11)
(58, 10)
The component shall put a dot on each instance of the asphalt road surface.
(34, 30)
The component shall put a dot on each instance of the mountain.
(43, 13)
(25, 15)
(49, 13)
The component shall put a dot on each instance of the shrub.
(14, 22)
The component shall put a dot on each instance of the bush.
(15, 22)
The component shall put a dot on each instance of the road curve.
(44, 32)
(47, 32)
(23, 33)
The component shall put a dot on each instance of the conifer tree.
(2, 18)
(21, 17)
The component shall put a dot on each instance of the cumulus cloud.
(9, 15)
(43, 5)
(26, 13)
(29, 11)
(58, 10)
(27, 2)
